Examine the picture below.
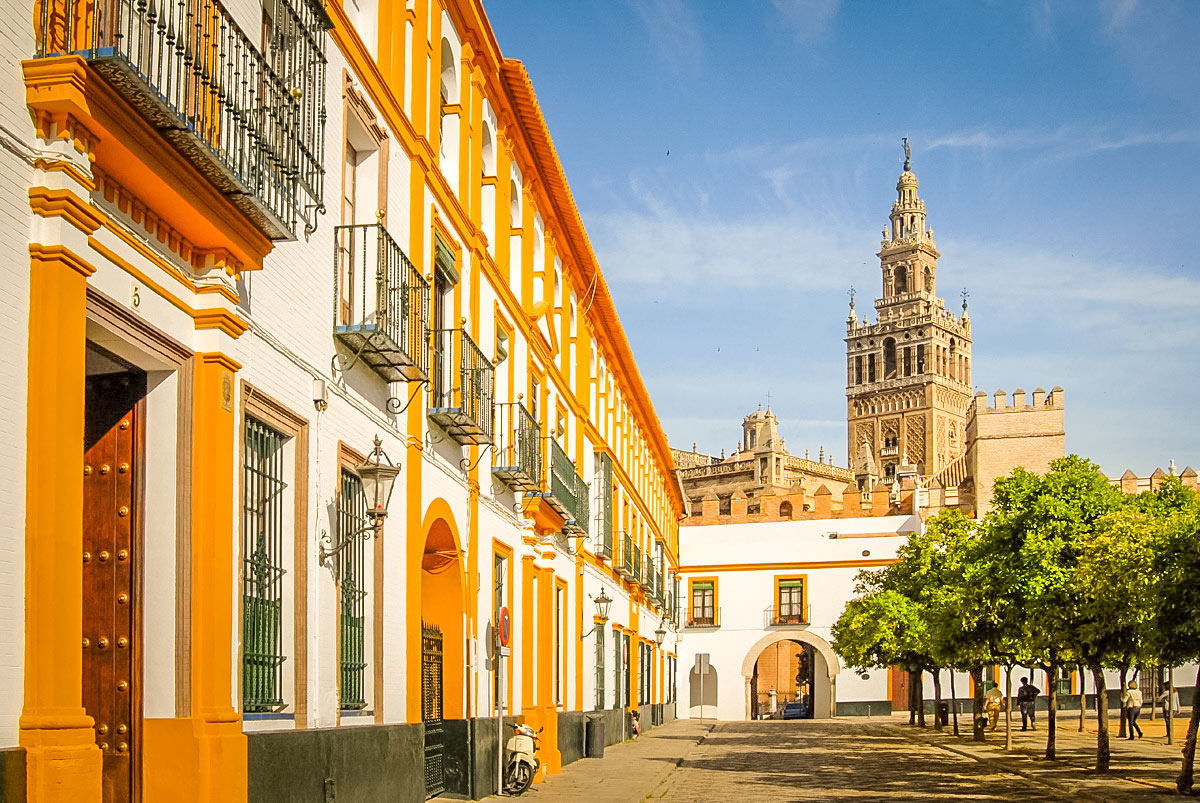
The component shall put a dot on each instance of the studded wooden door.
(111, 574)
(431, 714)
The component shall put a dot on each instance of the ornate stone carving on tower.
(908, 383)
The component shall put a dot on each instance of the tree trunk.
(1082, 698)
(1008, 707)
(1102, 754)
(937, 699)
(1184, 782)
(979, 718)
(1052, 706)
(953, 702)
(1124, 685)
(913, 675)
(1170, 715)
(920, 698)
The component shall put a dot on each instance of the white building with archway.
(747, 587)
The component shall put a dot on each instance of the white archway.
(823, 648)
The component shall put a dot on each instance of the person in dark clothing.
(1027, 700)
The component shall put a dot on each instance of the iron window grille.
(262, 568)
(599, 668)
(250, 117)
(617, 670)
(352, 518)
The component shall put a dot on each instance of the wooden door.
(111, 574)
(899, 684)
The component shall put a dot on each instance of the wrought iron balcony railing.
(636, 575)
(603, 536)
(518, 459)
(381, 303)
(709, 617)
(568, 491)
(786, 615)
(463, 387)
(250, 117)
(624, 558)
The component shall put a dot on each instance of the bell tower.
(908, 383)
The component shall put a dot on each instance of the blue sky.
(734, 164)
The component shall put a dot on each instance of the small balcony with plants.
(783, 615)
(244, 103)
(381, 308)
(463, 388)
(518, 461)
(568, 493)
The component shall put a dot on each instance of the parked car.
(795, 710)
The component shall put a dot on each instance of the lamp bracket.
(328, 550)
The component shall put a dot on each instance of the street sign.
(701, 663)
(504, 626)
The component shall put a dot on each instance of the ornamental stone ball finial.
(907, 156)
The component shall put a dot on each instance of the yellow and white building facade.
(254, 250)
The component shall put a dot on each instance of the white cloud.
(1065, 142)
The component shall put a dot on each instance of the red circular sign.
(504, 625)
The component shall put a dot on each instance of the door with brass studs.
(111, 569)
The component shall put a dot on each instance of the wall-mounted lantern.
(603, 601)
(378, 476)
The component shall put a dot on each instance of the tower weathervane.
(850, 293)
(965, 295)
(907, 155)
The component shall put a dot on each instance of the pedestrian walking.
(1170, 707)
(993, 704)
(1131, 701)
(635, 725)
(1027, 701)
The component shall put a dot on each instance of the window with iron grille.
(599, 667)
(262, 568)
(617, 669)
(352, 518)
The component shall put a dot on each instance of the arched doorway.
(783, 674)
(702, 692)
(443, 639)
(804, 658)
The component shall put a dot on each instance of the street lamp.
(660, 634)
(602, 601)
(378, 476)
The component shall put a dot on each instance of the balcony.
(462, 388)
(382, 305)
(568, 492)
(786, 615)
(703, 619)
(518, 461)
(637, 576)
(623, 562)
(603, 543)
(248, 116)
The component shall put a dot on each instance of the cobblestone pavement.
(851, 759)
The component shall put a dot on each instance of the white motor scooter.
(522, 764)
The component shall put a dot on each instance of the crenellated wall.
(1023, 431)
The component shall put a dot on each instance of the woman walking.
(1131, 701)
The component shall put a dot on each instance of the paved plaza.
(858, 759)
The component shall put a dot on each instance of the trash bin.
(943, 715)
(593, 736)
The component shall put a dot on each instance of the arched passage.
(824, 669)
(442, 603)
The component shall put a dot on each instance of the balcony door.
(114, 409)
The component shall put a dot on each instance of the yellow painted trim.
(212, 318)
(62, 761)
(47, 203)
(716, 597)
(66, 168)
(803, 578)
(60, 255)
